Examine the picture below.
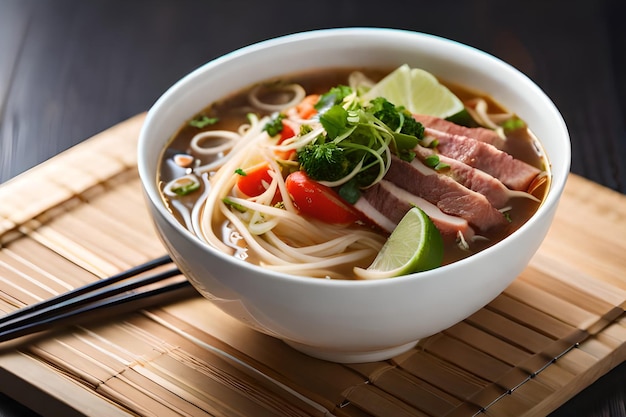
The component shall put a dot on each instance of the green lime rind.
(418, 91)
(415, 245)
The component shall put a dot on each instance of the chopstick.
(98, 297)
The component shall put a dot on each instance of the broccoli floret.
(411, 126)
(324, 161)
(386, 112)
(396, 118)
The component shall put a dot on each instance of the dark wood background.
(70, 69)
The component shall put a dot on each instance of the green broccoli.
(324, 161)
(396, 118)
(411, 126)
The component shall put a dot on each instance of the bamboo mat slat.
(81, 216)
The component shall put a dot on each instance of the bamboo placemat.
(81, 216)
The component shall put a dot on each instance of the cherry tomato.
(255, 181)
(319, 201)
(285, 134)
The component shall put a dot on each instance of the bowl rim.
(149, 184)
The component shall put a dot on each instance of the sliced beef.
(479, 133)
(513, 173)
(444, 192)
(474, 179)
(392, 202)
(391, 206)
(480, 148)
(374, 216)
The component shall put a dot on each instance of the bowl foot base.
(346, 356)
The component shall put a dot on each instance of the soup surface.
(302, 175)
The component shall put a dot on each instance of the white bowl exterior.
(353, 316)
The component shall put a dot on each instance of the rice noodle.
(297, 91)
(221, 152)
(281, 238)
(477, 108)
(217, 134)
(323, 262)
(539, 180)
(169, 188)
(357, 80)
(195, 212)
(297, 142)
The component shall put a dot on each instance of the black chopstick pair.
(97, 297)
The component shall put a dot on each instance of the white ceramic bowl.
(353, 321)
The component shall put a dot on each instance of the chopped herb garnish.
(234, 205)
(350, 191)
(186, 188)
(335, 121)
(203, 121)
(275, 125)
(304, 129)
(406, 155)
(431, 160)
(434, 162)
(333, 97)
(241, 172)
(513, 123)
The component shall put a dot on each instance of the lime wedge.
(414, 245)
(418, 91)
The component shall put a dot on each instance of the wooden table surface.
(70, 69)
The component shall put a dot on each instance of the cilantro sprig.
(202, 121)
